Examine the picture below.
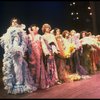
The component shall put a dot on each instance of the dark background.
(56, 13)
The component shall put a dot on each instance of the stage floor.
(87, 88)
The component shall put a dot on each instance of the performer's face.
(35, 29)
(83, 35)
(14, 22)
(47, 29)
(66, 35)
(57, 32)
(73, 32)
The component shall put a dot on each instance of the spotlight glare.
(90, 13)
(77, 13)
(73, 3)
(72, 13)
(77, 17)
(89, 7)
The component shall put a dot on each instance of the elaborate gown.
(61, 59)
(50, 60)
(16, 75)
(36, 48)
(88, 55)
(98, 55)
(75, 57)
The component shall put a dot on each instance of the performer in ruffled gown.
(98, 52)
(89, 50)
(36, 48)
(16, 75)
(50, 60)
(61, 57)
(76, 65)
